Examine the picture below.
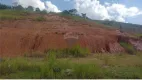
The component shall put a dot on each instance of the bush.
(35, 55)
(72, 16)
(87, 71)
(18, 64)
(40, 18)
(10, 17)
(128, 47)
(52, 68)
(76, 51)
(12, 14)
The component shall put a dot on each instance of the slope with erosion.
(56, 32)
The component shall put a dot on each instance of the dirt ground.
(20, 36)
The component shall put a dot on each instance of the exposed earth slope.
(56, 32)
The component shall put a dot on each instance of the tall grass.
(40, 18)
(75, 51)
(128, 47)
(12, 14)
(52, 68)
(49, 69)
(73, 17)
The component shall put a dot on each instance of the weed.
(40, 18)
(12, 14)
(76, 51)
(35, 55)
(53, 68)
(128, 47)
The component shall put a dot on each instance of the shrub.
(8, 17)
(89, 71)
(17, 64)
(40, 18)
(12, 14)
(72, 16)
(76, 51)
(128, 47)
(53, 68)
(35, 55)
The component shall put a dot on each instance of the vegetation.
(72, 14)
(128, 47)
(3, 6)
(12, 14)
(95, 66)
(138, 35)
(125, 27)
(18, 12)
(75, 51)
(69, 63)
(40, 18)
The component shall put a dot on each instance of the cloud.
(95, 10)
(47, 5)
(34, 3)
(51, 7)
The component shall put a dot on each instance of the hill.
(126, 27)
(26, 32)
(40, 45)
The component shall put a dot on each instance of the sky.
(129, 11)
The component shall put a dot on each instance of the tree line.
(32, 9)
(19, 7)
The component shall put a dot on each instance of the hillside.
(23, 32)
(126, 27)
(57, 46)
(41, 44)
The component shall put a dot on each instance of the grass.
(40, 18)
(128, 47)
(12, 14)
(91, 67)
(138, 35)
(73, 17)
(75, 51)
(69, 63)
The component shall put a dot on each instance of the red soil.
(20, 36)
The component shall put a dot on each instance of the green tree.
(73, 11)
(3, 6)
(19, 7)
(43, 11)
(37, 10)
(30, 9)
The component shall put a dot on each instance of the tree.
(30, 9)
(121, 30)
(3, 6)
(43, 11)
(19, 7)
(83, 15)
(73, 11)
(37, 10)
(70, 12)
(65, 12)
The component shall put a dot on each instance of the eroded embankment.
(20, 36)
